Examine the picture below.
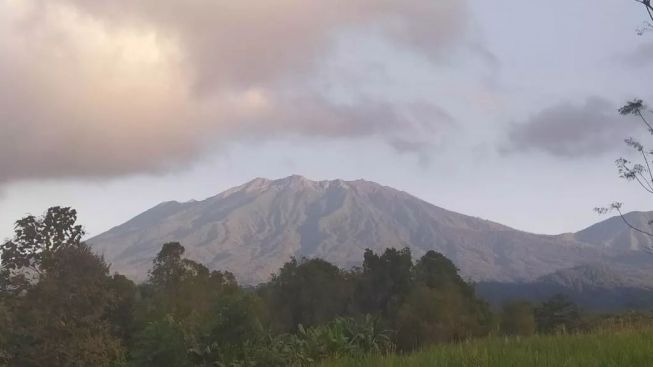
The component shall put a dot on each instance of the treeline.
(61, 306)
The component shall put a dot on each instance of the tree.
(175, 318)
(182, 288)
(436, 271)
(170, 268)
(384, 282)
(121, 315)
(63, 319)
(631, 171)
(5, 330)
(28, 256)
(57, 295)
(558, 314)
(440, 306)
(518, 318)
(307, 293)
(235, 327)
(161, 344)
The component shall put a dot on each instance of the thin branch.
(617, 206)
(649, 8)
(643, 186)
(631, 174)
(648, 166)
(650, 128)
(643, 182)
(648, 249)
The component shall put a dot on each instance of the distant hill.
(593, 287)
(253, 229)
(614, 233)
(585, 277)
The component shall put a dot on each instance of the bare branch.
(641, 116)
(649, 8)
(623, 218)
(643, 183)
(617, 207)
(648, 166)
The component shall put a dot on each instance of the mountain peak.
(294, 183)
(252, 229)
(294, 180)
(299, 179)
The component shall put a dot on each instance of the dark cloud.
(571, 130)
(118, 87)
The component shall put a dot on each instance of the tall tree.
(307, 293)
(182, 288)
(384, 281)
(436, 271)
(29, 254)
(557, 314)
(440, 306)
(58, 294)
(178, 309)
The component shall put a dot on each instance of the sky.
(504, 110)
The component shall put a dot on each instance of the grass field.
(605, 349)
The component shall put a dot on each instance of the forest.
(60, 305)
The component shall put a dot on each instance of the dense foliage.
(61, 306)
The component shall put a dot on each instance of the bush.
(161, 344)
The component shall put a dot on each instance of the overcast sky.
(502, 109)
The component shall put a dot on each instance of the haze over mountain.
(251, 230)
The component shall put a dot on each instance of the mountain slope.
(595, 287)
(614, 233)
(583, 277)
(253, 229)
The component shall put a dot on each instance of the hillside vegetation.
(60, 306)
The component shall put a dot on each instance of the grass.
(601, 349)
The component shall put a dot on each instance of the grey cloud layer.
(639, 57)
(95, 88)
(571, 130)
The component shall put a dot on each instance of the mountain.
(585, 277)
(595, 287)
(251, 230)
(614, 233)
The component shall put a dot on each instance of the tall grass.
(600, 349)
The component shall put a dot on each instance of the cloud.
(252, 41)
(95, 88)
(640, 57)
(570, 130)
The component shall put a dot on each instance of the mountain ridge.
(252, 229)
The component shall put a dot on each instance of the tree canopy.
(61, 306)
